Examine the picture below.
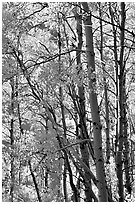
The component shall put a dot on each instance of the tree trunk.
(66, 161)
(105, 90)
(100, 170)
(126, 150)
(62, 113)
(116, 77)
(64, 129)
(82, 111)
(12, 139)
(35, 182)
(121, 108)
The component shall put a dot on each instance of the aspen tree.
(12, 141)
(119, 162)
(100, 170)
(82, 111)
(105, 90)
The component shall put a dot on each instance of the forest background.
(68, 102)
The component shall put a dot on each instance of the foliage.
(41, 82)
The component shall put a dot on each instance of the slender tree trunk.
(132, 158)
(100, 170)
(66, 161)
(105, 91)
(64, 129)
(121, 107)
(80, 165)
(73, 187)
(35, 182)
(12, 140)
(65, 182)
(82, 111)
(46, 175)
(62, 113)
(116, 71)
(126, 150)
(17, 99)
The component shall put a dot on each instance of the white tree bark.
(100, 170)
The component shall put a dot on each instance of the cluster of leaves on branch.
(49, 81)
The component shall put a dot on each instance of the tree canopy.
(68, 101)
